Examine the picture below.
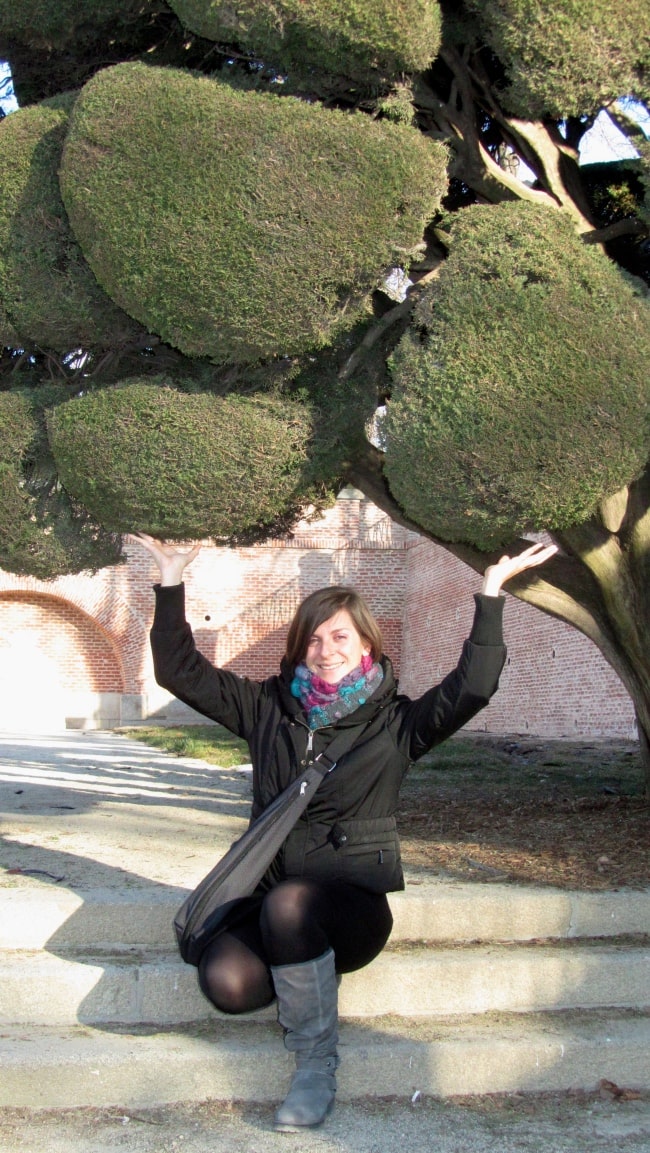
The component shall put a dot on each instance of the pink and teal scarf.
(327, 703)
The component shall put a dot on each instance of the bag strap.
(328, 759)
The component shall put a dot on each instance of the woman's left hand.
(509, 566)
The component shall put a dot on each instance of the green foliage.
(211, 743)
(48, 294)
(571, 57)
(9, 338)
(522, 389)
(180, 465)
(42, 532)
(344, 402)
(239, 225)
(59, 23)
(398, 105)
(362, 39)
(644, 178)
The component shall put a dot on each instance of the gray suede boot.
(308, 1011)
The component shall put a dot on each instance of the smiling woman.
(321, 907)
(336, 648)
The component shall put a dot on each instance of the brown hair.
(320, 606)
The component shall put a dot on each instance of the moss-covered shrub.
(571, 57)
(362, 39)
(522, 390)
(57, 23)
(238, 225)
(47, 291)
(146, 457)
(42, 532)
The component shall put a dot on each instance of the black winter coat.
(348, 830)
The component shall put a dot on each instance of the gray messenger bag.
(238, 873)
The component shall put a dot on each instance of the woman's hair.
(322, 605)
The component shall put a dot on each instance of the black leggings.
(296, 921)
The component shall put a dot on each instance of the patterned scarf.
(327, 703)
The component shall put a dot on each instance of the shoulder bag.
(238, 872)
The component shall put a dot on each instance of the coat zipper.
(308, 759)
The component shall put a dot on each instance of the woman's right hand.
(171, 560)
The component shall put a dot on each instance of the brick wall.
(66, 638)
(77, 647)
(555, 682)
(48, 649)
(240, 602)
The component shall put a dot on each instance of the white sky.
(604, 141)
(8, 101)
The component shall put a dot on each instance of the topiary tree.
(244, 204)
(42, 529)
(568, 58)
(182, 466)
(49, 294)
(296, 209)
(498, 402)
(360, 40)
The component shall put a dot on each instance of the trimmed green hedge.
(181, 466)
(522, 390)
(362, 39)
(42, 532)
(47, 291)
(239, 225)
(57, 23)
(571, 57)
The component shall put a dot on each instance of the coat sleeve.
(448, 706)
(180, 668)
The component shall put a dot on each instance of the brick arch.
(105, 598)
(48, 649)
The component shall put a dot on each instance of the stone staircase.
(484, 988)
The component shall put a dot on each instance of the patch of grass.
(541, 765)
(211, 743)
(478, 760)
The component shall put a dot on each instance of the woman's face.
(336, 648)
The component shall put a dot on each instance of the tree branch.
(387, 321)
(631, 226)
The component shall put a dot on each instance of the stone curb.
(39, 916)
(45, 1070)
(133, 989)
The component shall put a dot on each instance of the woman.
(321, 908)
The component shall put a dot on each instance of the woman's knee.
(288, 908)
(234, 984)
(232, 995)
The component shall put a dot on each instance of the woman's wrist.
(491, 586)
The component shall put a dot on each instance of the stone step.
(36, 915)
(243, 1060)
(133, 988)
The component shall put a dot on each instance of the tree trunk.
(599, 583)
(644, 743)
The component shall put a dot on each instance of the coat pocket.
(368, 854)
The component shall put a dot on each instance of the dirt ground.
(571, 814)
(555, 1123)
